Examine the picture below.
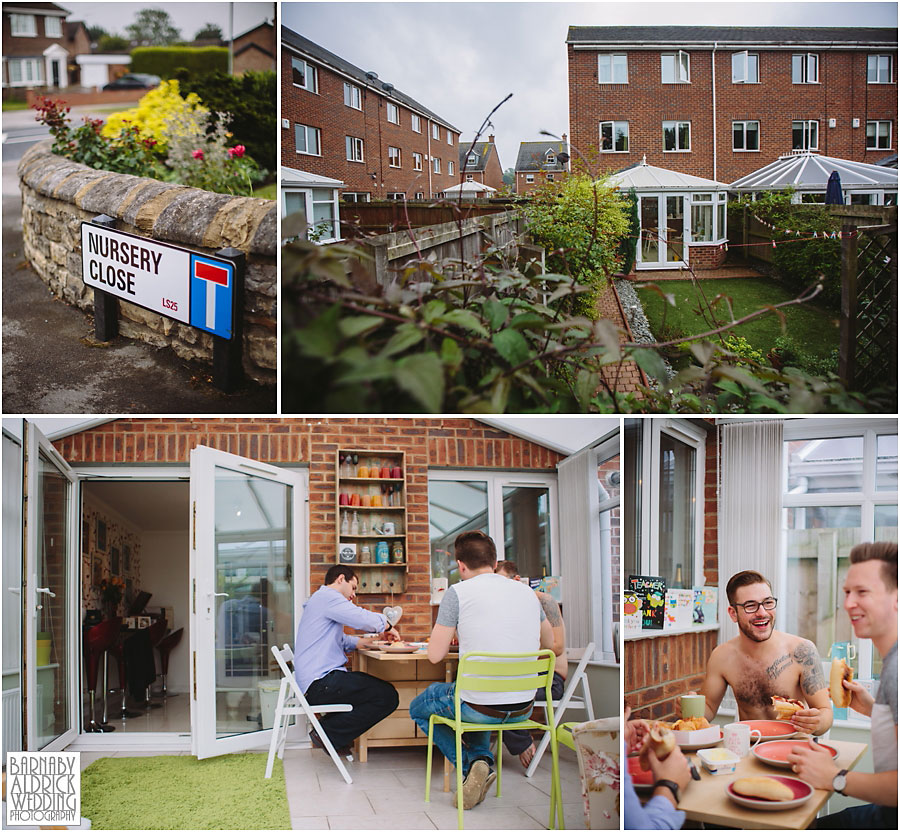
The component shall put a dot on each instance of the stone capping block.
(173, 213)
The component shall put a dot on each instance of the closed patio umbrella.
(833, 193)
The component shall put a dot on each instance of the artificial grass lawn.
(814, 329)
(228, 792)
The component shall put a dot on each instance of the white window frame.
(56, 27)
(435, 164)
(685, 431)
(807, 140)
(306, 131)
(420, 194)
(394, 158)
(355, 196)
(32, 77)
(415, 123)
(435, 131)
(23, 25)
(549, 158)
(681, 67)
(551, 177)
(450, 138)
(355, 149)
(352, 96)
(470, 177)
(397, 195)
(879, 59)
(472, 160)
(867, 498)
(744, 124)
(741, 65)
(677, 149)
(417, 161)
(306, 195)
(890, 133)
(529, 178)
(496, 481)
(613, 126)
(610, 59)
(393, 113)
(451, 168)
(808, 61)
(310, 73)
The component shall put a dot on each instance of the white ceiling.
(151, 506)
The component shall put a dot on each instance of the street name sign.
(196, 289)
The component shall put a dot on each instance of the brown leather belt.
(488, 711)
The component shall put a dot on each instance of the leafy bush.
(787, 353)
(483, 337)
(249, 98)
(801, 260)
(579, 221)
(165, 60)
(122, 151)
(153, 112)
(628, 246)
(743, 348)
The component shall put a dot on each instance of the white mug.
(737, 738)
(388, 528)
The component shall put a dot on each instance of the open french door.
(248, 573)
(52, 638)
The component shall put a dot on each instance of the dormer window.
(472, 161)
(551, 158)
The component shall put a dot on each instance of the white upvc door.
(51, 596)
(249, 575)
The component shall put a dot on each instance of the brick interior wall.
(427, 443)
(645, 102)
(659, 670)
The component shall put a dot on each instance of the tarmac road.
(50, 362)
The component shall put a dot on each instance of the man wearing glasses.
(762, 662)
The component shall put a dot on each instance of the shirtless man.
(761, 662)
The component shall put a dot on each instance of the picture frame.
(126, 557)
(101, 535)
(114, 563)
(85, 536)
(97, 570)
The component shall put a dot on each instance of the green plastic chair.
(500, 673)
(563, 737)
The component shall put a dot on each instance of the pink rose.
(198, 154)
(238, 150)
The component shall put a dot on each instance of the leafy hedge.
(165, 60)
(250, 98)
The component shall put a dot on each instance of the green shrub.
(628, 246)
(165, 60)
(786, 353)
(743, 348)
(250, 99)
(580, 222)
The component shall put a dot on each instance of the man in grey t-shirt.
(870, 599)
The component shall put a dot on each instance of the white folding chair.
(568, 701)
(292, 703)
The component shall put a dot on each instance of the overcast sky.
(460, 59)
(188, 18)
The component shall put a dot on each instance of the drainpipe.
(715, 121)
(430, 161)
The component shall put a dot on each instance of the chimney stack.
(565, 138)
(491, 138)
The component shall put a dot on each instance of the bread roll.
(662, 740)
(840, 670)
(786, 708)
(767, 788)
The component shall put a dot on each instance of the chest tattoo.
(774, 669)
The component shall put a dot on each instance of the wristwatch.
(840, 781)
(672, 787)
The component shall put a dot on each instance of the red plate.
(802, 792)
(639, 777)
(771, 729)
(775, 753)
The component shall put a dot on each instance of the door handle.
(46, 591)
(219, 595)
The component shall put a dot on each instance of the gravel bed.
(637, 320)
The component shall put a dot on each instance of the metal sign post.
(106, 306)
(228, 370)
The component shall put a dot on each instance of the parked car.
(133, 81)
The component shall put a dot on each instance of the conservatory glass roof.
(809, 172)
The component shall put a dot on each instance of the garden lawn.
(269, 191)
(813, 328)
(15, 105)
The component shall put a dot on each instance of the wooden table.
(705, 800)
(410, 674)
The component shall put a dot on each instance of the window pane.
(797, 68)
(819, 466)
(753, 68)
(620, 69)
(606, 129)
(818, 542)
(294, 203)
(453, 508)
(631, 541)
(886, 523)
(886, 464)
(604, 70)
(622, 136)
(738, 133)
(669, 137)
(526, 529)
(677, 507)
(684, 135)
(752, 131)
(668, 69)
(702, 223)
(812, 73)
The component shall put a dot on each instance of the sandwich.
(662, 740)
(768, 788)
(786, 708)
(840, 670)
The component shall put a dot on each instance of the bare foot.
(527, 755)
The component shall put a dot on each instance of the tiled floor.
(388, 792)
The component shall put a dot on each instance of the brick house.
(255, 49)
(39, 47)
(183, 508)
(480, 162)
(721, 102)
(539, 163)
(343, 123)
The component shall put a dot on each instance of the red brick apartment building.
(480, 162)
(539, 163)
(344, 123)
(722, 102)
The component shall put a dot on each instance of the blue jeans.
(438, 699)
(868, 816)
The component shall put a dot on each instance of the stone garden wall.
(58, 195)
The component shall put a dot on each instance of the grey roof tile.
(532, 154)
(723, 35)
